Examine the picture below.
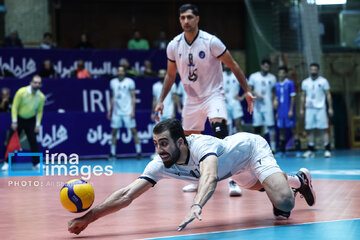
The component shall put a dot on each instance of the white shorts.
(234, 110)
(195, 113)
(316, 118)
(263, 118)
(117, 121)
(261, 165)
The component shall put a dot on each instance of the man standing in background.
(26, 114)
(315, 92)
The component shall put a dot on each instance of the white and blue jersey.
(246, 156)
(284, 91)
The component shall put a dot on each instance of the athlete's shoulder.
(23, 89)
(254, 75)
(176, 39)
(205, 35)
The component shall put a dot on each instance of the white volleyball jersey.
(234, 154)
(122, 95)
(181, 92)
(198, 64)
(264, 86)
(315, 92)
(231, 87)
(168, 101)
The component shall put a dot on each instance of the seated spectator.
(47, 70)
(162, 42)
(138, 43)
(47, 41)
(80, 71)
(84, 42)
(5, 100)
(129, 72)
(13, 40)
(146, 70)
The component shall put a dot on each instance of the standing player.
(262, 84)
(26, 114)
(170, 100)
(284, 103)
(122, 109)
(197, 55)
(315, 92)
(233, 105)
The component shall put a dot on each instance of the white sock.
(113, 149)
(294, 181)
(138, 147)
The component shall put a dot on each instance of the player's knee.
(220, 129)
(285, 201)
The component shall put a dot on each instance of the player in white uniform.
(262, 84)
(197, 55)
(169, 102)
(207, 160)
(122, 109)
(315, 92)
(233, 105)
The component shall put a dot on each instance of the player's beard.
(314, 75)
(173, 158)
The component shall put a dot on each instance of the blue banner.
(84, 95)
(27, 62)
(86, 134)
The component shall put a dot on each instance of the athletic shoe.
(279, 214)
(306, 189)
(234, 189)
(5, 166)
(138, 156)
(190, 188)
(111, 156)
(327, 154)
(308, 154)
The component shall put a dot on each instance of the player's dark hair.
(315, 65)
(174, 127)
(283, 68)
(192, 7)
(265, 61)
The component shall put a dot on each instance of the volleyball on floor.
(77, 195)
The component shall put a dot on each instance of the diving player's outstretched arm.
(207, 184)
(116, 201)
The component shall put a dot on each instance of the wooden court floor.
(34, 212)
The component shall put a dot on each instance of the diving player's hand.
(159, 108)
(77, 225)
(194, 212)
(250, 101)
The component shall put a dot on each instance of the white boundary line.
(237, 230)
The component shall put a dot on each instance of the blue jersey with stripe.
(283, 92)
